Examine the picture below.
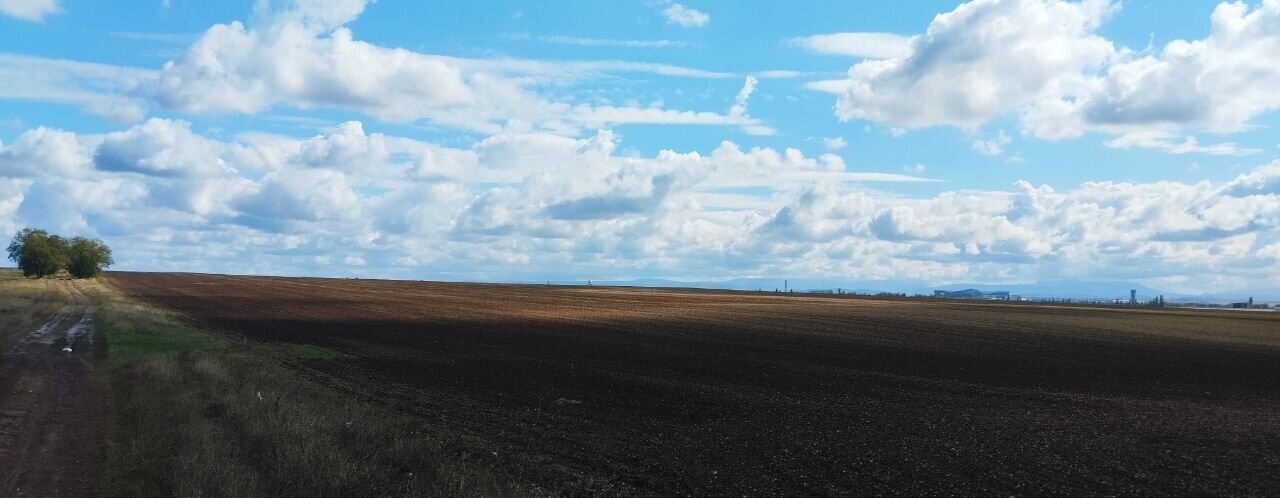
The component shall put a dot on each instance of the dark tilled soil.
(662, 392)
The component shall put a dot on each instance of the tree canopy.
(40, 254)
(87, 257)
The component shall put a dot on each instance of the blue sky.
(931, 143)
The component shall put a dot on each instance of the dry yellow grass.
(24, 303)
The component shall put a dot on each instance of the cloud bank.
(535, 204)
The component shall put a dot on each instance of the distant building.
(1245, 305)
(972, 294)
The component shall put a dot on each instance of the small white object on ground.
(66, 349)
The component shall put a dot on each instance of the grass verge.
(24, 303)
(199, 414)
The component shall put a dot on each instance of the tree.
(40, 254)
(37, 253)
(87, 257)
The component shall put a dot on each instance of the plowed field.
(665, 392)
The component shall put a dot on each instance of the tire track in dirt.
(53, 408)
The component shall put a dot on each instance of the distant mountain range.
(1050, 289)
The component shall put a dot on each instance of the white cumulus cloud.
(993, 146)
(1045, 62)
(29, 10)
(985, 58)
(301, 54)
(160, 147)
(681, 15)
(867, 45)
(1217, 84)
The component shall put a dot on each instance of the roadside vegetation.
(40, 254)
(196, 413)
(23, 304)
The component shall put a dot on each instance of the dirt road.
(53, 408)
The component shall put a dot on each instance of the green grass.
(128, 343)
(200, 414)
(135, 331)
